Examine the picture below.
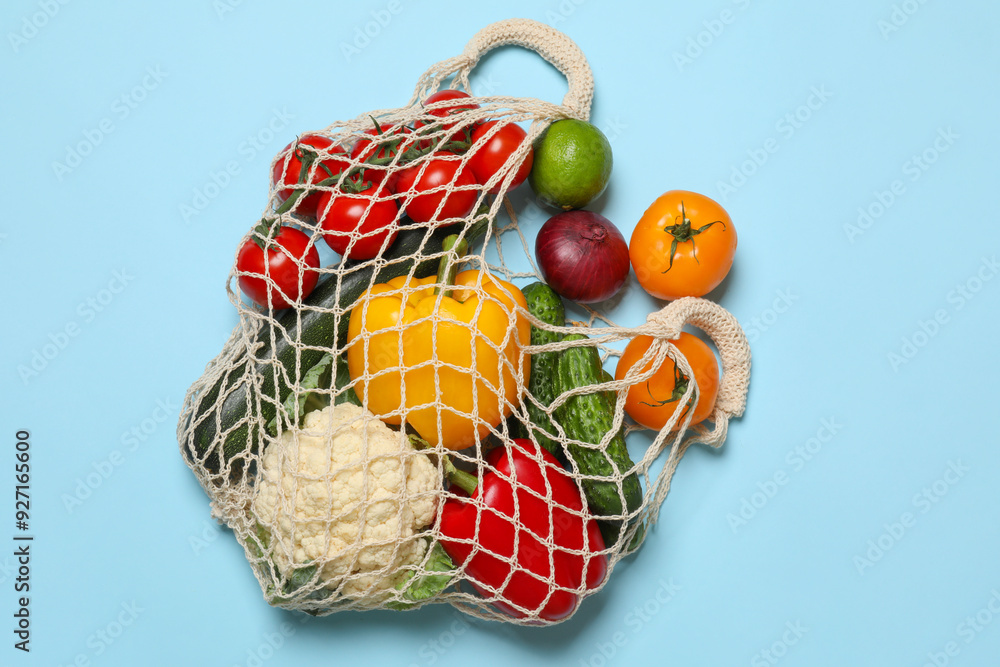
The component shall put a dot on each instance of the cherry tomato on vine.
(451, 110)
(426, 191)
(277, 270)
(287, 169)
(492, 157)
(653, 403)
(442, 95)
(368, 216)
(682, 246)
(389, 141)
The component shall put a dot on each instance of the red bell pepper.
(538, 579)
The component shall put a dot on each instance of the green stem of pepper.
(463, 480)
(448, 266)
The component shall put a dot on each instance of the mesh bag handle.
(734, 351)
(558, 49)
(729, 339)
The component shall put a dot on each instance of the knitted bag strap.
(734, 351)
(558, 49)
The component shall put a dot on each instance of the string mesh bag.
(325, 433)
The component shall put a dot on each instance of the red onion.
(582, 256)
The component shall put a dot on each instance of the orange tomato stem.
(680, 387)
(682, 233)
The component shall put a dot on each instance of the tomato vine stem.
(354, 182)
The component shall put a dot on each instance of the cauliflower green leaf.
(417, 589)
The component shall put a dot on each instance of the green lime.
(572, 164)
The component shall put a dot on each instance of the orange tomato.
(653, 403)
(682, 246)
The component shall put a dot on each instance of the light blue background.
(687, 125)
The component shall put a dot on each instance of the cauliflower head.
(346, 493)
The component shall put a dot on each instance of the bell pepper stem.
(463, 480)
(448, 267)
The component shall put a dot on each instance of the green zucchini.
(233, 405)
(548, 307)
(587, 418)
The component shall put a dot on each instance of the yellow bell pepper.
(475, 331)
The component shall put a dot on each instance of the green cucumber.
(234, 406)
(612, 395)
(548, 307)
(587, 418)
(612, 401)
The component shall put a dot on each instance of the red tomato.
(442, 95)
(369, 216)
(425, 192)
(287, 169)
(491, 158)
(451, 110)
(278, 275)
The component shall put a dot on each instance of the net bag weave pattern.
(337, 511)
